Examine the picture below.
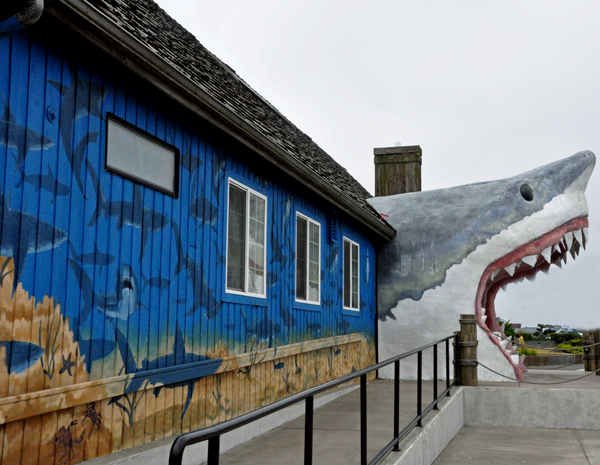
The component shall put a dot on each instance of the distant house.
(174, 252)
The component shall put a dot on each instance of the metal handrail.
(213, 433)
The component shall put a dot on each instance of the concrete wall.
(532, 408)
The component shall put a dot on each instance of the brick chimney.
(397, 170)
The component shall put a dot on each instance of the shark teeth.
(547, 254)
(483, 318)
(515, 358)
(568, 240)
(510, 269)
(494, 274)
(578, 236)
(585, 237)
(531, 260)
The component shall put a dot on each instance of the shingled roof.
(151, 26)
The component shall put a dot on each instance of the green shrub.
(566, 337)
(526, 351)
(570, 344)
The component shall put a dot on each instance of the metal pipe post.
(419, 386)
(213, 450)
(448, 367)
(397, 403)
(308, 430)
(435, 377)
(363, 420)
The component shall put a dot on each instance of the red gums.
(534, 247)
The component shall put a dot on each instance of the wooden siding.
(78, 378)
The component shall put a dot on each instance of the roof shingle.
(152, 26)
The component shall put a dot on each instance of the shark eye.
(527, 192)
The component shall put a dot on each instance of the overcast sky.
(487, 89)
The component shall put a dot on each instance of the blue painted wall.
(55, 92)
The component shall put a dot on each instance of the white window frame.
(316, 223)
(351, 242)
(247, 241)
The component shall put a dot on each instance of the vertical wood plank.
(47, 438)
(32, 440)
(13, 442)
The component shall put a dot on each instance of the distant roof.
(142, 29)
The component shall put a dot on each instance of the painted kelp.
(138, 323)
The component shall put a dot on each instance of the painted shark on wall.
(457, 247)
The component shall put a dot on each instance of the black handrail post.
(435, 378)
(397, 403)
(308, 430)
(456, 368)
(448, 367)
(363, 419)
(419, 386)
(213, 450)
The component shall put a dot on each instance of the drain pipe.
(31, 12)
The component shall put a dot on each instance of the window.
(246, 245)
(141, 157)
(308, 259)
(351, 296)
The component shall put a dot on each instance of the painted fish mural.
(125, 299)
(182, 368)
(19, 138)
(46, 182)
(19, 355)
(96, 257)
(23, 234)
(131, 213)
(79, 99)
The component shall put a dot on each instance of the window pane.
(256, 246)
(346, 274)
(314, 262)
(301, 259)
(354, 276)
(236, 239)
(132, 154)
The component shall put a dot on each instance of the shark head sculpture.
(457, 247)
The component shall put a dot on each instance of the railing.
(213, 433)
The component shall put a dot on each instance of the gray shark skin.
(125, 300)
(22, 234)
(179, 368)
(19, 138)
(457, 247)
(46, 182)
(130, 213)
(19, 355)
(83, 97)
(438, 229)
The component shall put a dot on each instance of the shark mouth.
(127, 284)
(524, 263)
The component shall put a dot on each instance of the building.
(175, 252)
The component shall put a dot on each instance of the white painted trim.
(309, 221)
(246, 241)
